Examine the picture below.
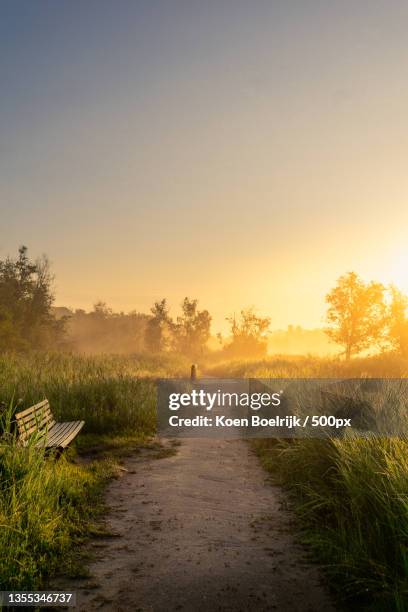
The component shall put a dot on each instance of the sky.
(243, 153)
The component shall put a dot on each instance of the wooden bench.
(38, 421)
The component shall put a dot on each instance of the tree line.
(103, 330)
(360, 316)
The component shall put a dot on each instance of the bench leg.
(55, 452)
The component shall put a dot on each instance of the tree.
(249, 335)
(101, 311)
(397, 321)
(26, 319)
(159, 327)
(192, 329)
(356, 314)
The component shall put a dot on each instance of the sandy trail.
(200, 530)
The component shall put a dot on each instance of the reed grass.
(113, 394)
(352, 498)
(45, 506)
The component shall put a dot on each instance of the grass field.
(351, 495)
(352, 498)
(113, 394)
(46, 505)
(308, 366)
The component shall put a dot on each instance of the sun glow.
(399, 271)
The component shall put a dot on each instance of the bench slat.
(19, 415)
(73, 433)
(62, 434)
(41, 420)
(34, 416)
(57, 432)
(42, 429)
(38, 419)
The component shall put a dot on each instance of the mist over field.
(124, 333)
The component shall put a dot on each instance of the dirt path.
(200, 530)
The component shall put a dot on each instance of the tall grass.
(113, 394)
(351, 493)
(352, 496)
(44, 506)
(385, 365)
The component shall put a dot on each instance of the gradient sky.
(238, 152)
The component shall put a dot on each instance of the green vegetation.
(113, 394)
(351, 494)
(45, 505)
(352, 497)
(387, 365)
(26, 321)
